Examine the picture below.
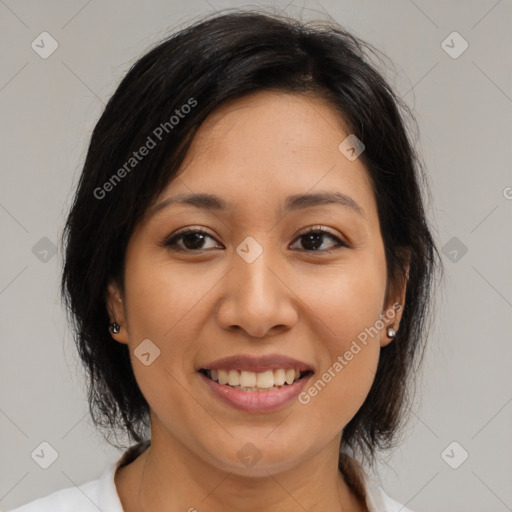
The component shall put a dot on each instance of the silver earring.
(115, 328)
(391, 332)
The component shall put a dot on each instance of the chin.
(247, 460)
(262, 468)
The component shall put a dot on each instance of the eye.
(191, 240)
(313, 240)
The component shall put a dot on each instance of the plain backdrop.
(463, 104)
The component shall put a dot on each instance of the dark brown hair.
(218, 59)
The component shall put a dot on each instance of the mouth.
(250, 395)
(254, 382)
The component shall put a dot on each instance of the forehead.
(272, 125)
(254, 150)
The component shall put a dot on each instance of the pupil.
(315, 238)
(196, 243)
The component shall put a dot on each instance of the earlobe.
(115, 328)
(393, 312)
(391, 319)
(116, 313)
(388, 335)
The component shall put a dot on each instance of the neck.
(168, 476)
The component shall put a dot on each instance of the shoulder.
(78, 499)
(92, 496)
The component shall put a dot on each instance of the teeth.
(223, 377)
(279, 377)
(255, 381)
(247, 379)
(274, 388)
(265, 379)
(234, 378)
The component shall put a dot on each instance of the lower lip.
(256, 401)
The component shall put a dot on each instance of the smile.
(248, 396)
(248, 381)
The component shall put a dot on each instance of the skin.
(293, 300)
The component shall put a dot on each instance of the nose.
(257, 297)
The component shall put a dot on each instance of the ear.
(116, 311)
(394, 306)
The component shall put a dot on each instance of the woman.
(248, 268)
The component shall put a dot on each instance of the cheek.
(164, 300)
(348, 308)
(346, 299)
(334, 395)
(350, 339)
(163, 307)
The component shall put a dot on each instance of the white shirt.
(102, 493)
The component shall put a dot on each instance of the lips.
(258, 364)
(255, 400)
(256, 384)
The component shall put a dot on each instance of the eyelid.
(184, 231)
(339, 240)
(315, 228)
(187, 229)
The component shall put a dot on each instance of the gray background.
(464, 109)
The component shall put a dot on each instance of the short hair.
(215, 60)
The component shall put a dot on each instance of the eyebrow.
(292, 203)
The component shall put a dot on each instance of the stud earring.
(115, 328)
(391, 332)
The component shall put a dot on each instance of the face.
(250, 281)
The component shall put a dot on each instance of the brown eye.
(313, 240)
(193, 240)
(188, 240)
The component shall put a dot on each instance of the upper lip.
(257, 363)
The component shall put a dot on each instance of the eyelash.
(171, 242)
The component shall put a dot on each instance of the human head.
(204, 67)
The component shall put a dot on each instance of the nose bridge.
(257, 284)
(257, 300)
